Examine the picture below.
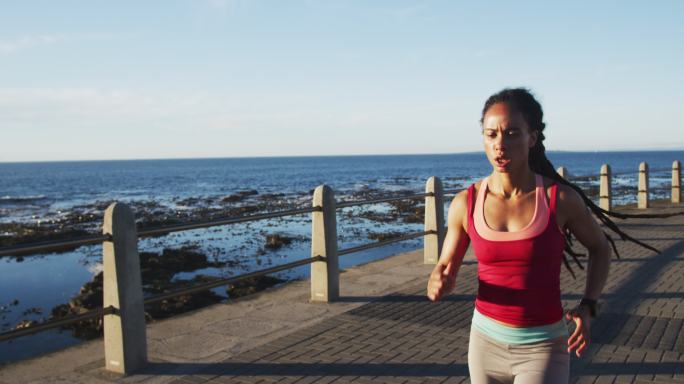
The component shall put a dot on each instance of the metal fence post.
(325, 275)
(605, 188)
(125, 338)
(562, 172)
(676, 182)
(434, 220)
(642, 195)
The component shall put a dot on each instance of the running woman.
(517, 220)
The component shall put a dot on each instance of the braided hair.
(523, 101)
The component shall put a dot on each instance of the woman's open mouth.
(502, 162)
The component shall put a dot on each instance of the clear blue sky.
(220, 78)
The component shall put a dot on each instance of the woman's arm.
(584, 227)
(443, 277)
(581, 223)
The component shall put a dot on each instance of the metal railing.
(322, 204)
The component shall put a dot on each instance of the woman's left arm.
(581, 223)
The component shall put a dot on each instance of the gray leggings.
(544, 362)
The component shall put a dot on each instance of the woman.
(517, 219)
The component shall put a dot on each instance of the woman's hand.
(441, 282)
(579, 340)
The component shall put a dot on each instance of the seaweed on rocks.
(88, 298)
(410, 211)
(186, 302)
(276, 240)
(239, 196)
(157, 270)
(251, 285)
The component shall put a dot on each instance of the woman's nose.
(499, 142)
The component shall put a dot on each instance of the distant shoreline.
(325, 156)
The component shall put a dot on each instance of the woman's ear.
(534, 135)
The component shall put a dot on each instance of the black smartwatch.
(592, 305)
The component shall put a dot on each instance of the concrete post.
(605, 188)
(434, 220)
(325, 275)
(562, 172)
(642, 193)
(125, 338)
(676, 182)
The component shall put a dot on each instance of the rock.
(239, 196)
(275, 240)
(158, 269)
(251, 285)
(25, 324)
(271, 196)
(184, 303)
(381, 236)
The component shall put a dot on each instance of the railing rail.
(382, 243)
(57, 323)
(221, 282)
(56, 245)
(382, 200)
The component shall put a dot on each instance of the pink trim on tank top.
(540, 218)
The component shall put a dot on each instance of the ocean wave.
(20, 199)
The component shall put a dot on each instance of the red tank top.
(518, 272)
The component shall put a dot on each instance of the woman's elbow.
(602, 251)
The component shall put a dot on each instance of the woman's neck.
(512, 185)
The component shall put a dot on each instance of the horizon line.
(334, 155)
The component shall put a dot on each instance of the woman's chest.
(509, 215)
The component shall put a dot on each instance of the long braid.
(523, 101)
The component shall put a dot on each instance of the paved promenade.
(384, 330)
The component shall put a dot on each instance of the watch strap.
(591, 305)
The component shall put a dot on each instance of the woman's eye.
(512, 132)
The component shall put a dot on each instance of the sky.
(97, 80)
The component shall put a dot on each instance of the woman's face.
(507, 138)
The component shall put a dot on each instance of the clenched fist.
(442, 281)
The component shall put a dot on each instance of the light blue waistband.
(517, 335)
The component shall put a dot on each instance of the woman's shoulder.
(566, 196)
(462, 196)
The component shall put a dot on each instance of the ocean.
(58, 196)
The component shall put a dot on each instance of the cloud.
(84, 109)
(28, 41)
(10, 46)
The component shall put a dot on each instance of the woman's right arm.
(443, 277)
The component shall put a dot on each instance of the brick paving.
(404, 338)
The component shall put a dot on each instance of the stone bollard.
(125, 338)
(642, 195)
(434, 220)
(676, 182)
(562, 172)
(605, 188)
(325, 275)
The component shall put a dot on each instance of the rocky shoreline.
(157, 272)
(160, 270)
